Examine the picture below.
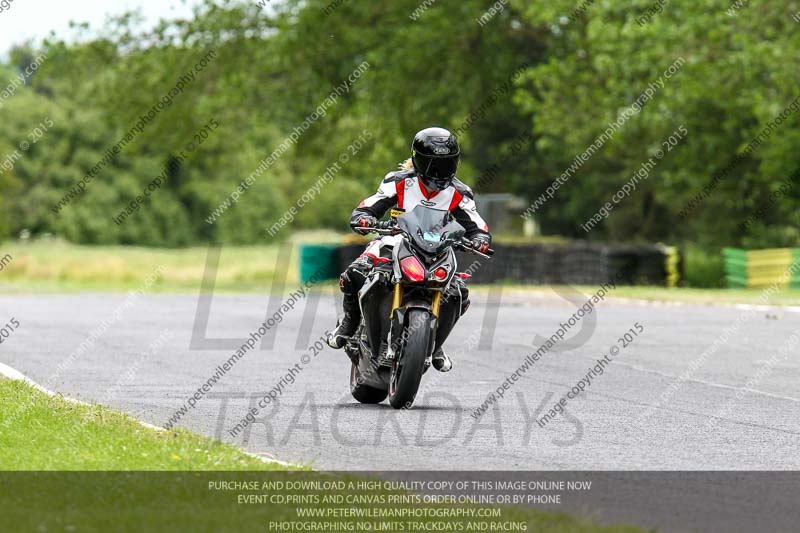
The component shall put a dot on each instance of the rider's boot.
(347, 326)
(441, 361)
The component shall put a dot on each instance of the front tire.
(364, 393)
(406, 375)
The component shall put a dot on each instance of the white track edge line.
(15, 375)
(727, 305)
(644, 302)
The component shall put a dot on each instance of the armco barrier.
(580, 263)
(762, 268)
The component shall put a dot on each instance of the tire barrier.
(673, 266)
(579, 263)
(762, 268)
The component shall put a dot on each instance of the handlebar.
(389, 227)
(386, 227)
(466, 245)
(382, 228)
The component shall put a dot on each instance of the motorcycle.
(405, 317)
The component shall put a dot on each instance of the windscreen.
(431, 230)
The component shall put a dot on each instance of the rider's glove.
(363, 222)
(481, 243)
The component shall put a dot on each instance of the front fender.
(401, 327)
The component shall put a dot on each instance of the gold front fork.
(436, 303)
(397, 301)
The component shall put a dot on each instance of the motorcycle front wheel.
(407, 370)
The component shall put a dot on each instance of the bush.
(703, 267)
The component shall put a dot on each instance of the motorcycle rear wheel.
(407, 374)
(364, 393)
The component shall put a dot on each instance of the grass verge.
(57, 266)
(71, 467)
(784, 296)
(47, 266)
(42, 432)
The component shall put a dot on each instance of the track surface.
(610, 427)
(627, 420)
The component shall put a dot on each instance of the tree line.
(534, 70)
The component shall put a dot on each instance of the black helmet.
(435, 154)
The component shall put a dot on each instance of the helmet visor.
(437, 168)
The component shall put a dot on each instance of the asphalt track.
(644, 413)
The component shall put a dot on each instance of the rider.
(427, 178)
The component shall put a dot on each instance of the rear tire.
(364, 393)
(406, 377)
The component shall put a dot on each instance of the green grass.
(41, 432)
(71, 467)
(663, 294)
(46, 266)
(57, 266)
(710, 296)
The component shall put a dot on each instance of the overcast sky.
(26, 19)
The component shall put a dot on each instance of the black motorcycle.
(405, 316)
